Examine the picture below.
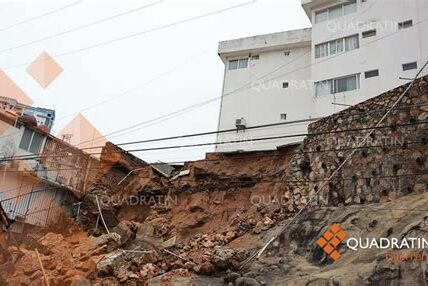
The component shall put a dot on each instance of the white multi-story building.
(355, 50)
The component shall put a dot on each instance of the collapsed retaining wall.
(392, 163)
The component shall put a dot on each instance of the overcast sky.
(129, 81)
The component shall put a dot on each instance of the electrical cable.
(235, 158)
(31, 157)
(244, 87)
(198, 105)
(40, 16)
(127, 12)
(161, 27)
(366, 113)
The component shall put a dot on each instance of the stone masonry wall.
(391, 164)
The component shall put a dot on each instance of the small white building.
(355, 50)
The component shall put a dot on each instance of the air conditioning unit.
(240, 123)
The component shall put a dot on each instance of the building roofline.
(309, 5)
(265, 42)
(12, 120)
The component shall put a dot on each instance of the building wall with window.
(355, 50)
(40, 175)
(386, 34)
(259, 71)
(24, 196)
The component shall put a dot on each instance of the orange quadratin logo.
(331, 239)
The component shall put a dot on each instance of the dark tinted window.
(410, 66)
(36, 143)
(373, 73)
(370, 33)
(26, 139)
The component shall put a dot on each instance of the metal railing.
(38, 207)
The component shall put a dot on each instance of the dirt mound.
(64, 258)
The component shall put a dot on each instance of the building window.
(337, 46)
(346, 83)
(405, 24)
(36, 143)
(350, 7)
(351, 43)
(321, 16)
(373, 73)
(321, 50)
(31, 141)
(255, 57)
(336, 11)
(323, 88)
(233, 65)
(286, 53)
(410, 66)
(370, 33)
(336, 85)
(285, 85)
(26, 139)
(238, 64)
(283, 116)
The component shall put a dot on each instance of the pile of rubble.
(197, 221)
(135, 257)
(66, 259)
(203, 235)
(201, 223)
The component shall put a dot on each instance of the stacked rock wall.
(392, 163)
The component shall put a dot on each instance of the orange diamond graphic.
(328, 235)
(82, 134)
(335, 228)
(321, 242)
(9, 89)
(328, 249)
(330, 240)
(44, 69)
(335, 255)
(335, 242)
(341, 234)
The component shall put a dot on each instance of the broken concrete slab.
(163, 168)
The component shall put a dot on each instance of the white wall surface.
(386, 51)
(261, 101)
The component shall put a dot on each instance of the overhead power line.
(210, 133)
(183, 136)
(366, 113)
(233, 157)
(144, 124)
(190, 59)
(127, 12)
(40, 156)
(40, 16)
(190, 108)
(187, 109)
(104, 43)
